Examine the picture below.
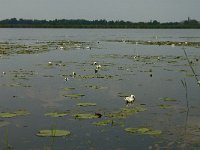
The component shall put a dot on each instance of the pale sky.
(128, 10)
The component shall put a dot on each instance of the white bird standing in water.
(130, 99)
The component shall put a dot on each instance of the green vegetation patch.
(53, 133)
(4, 123)
(85, 116)
(86, 104)
(126, 112)
(73, 95)
(68, 89)
(169, 43)
(92, 76)
(96, 87)
(162, 106)
(145, 131)
(56, 114)
(168, 99)
(103, 123)
(14, 114)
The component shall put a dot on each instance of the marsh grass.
(7, 145)
(189, 63)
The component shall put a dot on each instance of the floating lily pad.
(103, 123)
(86, 104)
(123, 94)
(126, 112)
(14, 114)
(68, 89)
(53, 133)
(146, 131)
(168, 99)
(96, 87)
(162, 106)
(73, 95)
(85, 116)
(56, 114)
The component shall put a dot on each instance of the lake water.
(36, 78)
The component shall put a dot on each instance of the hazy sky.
(129, 10)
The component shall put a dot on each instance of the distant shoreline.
(96, 24)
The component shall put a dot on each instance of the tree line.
(102, 23)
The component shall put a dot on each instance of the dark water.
(150, 72)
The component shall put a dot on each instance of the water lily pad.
(96, 87)
(126, 112)
(162, 106)
(73, 95)
(68, 89)
(56, 114)
(86, 104)
(14, 114)
(168, 99)
(53, 133)
(85, 116)
(146, 131)
(103, 123)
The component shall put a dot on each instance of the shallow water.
(33, 68)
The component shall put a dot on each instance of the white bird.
(74, 73)
(98, 66)
(198, 83)
(95, 63)
(88, 47)
(50, 63)
(130, 99)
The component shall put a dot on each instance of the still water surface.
(159, 76)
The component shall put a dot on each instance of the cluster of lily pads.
(171, 43)
(9, 48)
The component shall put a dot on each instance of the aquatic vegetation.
(103, 123)
(53, 133)
(162, 106)
(57, 114)
(4, 123)
(14, 114)
(86, 104)
(68, 89)
(85, 116)
(145, 131)
(123, 94)
(96, 87)
(126, 112)
(169, 43)
(168, 99)
(8, 48)
(73, 95)
(91, 76)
